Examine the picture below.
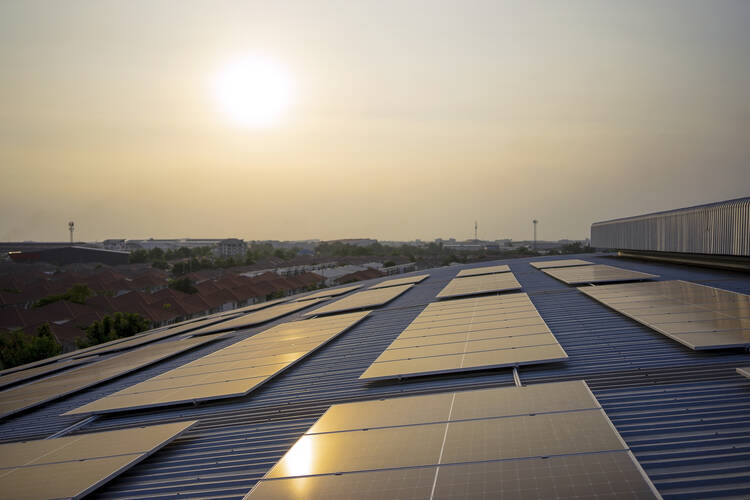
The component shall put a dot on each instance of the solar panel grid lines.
(232, 371)
(362, 300)
(595, 273)
(73, 466)
(37, 392)
(697, 316)
(481, 284)
(400, 281)
(256, 317)
(329, 292)
(536, 441)
(468, 334)
(560, 263)
(478, 271)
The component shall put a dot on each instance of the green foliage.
(113, 327)
(389, 263)
(183, 285)
(77, 293)
(18, 348)
(160, 264)
(138, 257)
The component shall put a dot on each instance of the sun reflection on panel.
(298, 461)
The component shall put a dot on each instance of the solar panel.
(744, 371)
(39, 371)
(256, 317)
(400, 281)
(465, 405)
(697, 316)
(560, 263)
(603, 475)
(475, 285)
(232, 371)
(56, 386)
(469, 334)
(361, 300)
(596, 273)
(542, 441)
(72, 466)
(329, 292)
(153, 337)
(478, 271)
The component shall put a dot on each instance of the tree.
(19, 348)
(183, 285)
(113, 327)
(78, 293)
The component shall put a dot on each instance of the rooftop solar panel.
(361, 300)
(478, 271)
(400, 281)
(697, 316)
(232, 371)
(596, 273)
(256, 317)
(39, 371)
(329, 292)
(744, 371)
(475, 285)
(560, 263)
(517, 442)
(469, 334)
(73, 466)
(56, 386)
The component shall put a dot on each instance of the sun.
(254, 90)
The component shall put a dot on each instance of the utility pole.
(535, 221)
(71, 227)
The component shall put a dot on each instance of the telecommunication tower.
(71, 228)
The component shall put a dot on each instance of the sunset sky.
(384, 119)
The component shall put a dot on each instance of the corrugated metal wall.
(715, 229)
(684, 413)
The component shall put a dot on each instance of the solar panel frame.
(39, 371)
(662, 297)
(481, 284)
(400, 281)
(579, 275)
(545, 264)
(365, 299)
(255, 318)
(60, 385)
(392, 446)
(480, 271)
(744, 371)
(66, 459)
(329, 292)
(211, 384)
(467, 335)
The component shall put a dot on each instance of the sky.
(402, 119)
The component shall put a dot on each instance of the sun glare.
(254, 91)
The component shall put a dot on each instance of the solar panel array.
(543, 441)
(38, 371)
(478, 271)
(256, 317)
(469, 334)
(400, 281)
(475, 285)
(698, 316)
(361, 300)
(72, 466)
(744, 371)
(56, 386)
(232, 371)
(597, 273)
(329, 292)
(560, 263)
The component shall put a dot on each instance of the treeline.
(117, 326)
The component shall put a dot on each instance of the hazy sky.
(408, 119)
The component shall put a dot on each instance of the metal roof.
(685, 414)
